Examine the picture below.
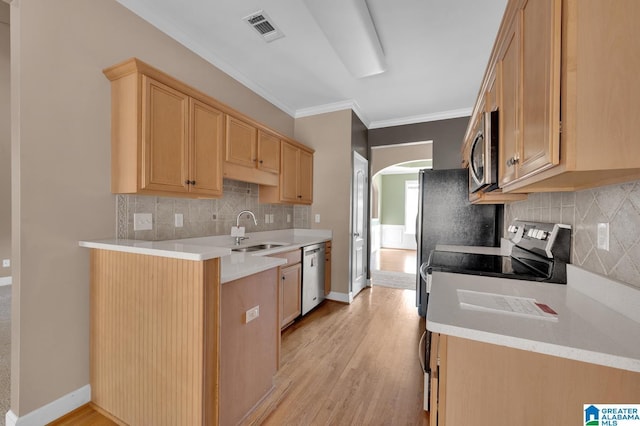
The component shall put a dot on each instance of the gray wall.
(446, 135)
(359, 136)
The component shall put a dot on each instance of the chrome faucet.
(255, 222)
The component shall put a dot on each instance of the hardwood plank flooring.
(395, 260)
(350, 365)
(346, 365)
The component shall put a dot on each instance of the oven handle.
(421, 352)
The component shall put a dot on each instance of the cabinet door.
(241, 143)
(305, 177)
(290, 293)
(509, 66)
(288, 174)
(165, 135)
(540, 85)
(268, 152)
(205, 154)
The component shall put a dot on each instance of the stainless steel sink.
(258, 247)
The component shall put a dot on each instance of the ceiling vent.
(263, 24)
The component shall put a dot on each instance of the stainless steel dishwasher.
(312, 276)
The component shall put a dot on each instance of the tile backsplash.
(618, 205)
(206, 217)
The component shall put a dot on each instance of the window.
(411, 197)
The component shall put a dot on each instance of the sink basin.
(257, 247)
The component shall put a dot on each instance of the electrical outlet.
(266, 218)
(603, 236)
(179, 220)
(271, 218)
(6, 263)
(142, 221)
(252, 314)
(288, 218)
(317, 218)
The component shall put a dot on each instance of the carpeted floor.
(5, 348)
(393, 279)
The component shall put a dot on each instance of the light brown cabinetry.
(290, 290)
(296, 176)
(478, 380)
(251, 154)
(530, 84)
(568, 94)
(327, 268)
(164, 140)
(248, 349)
(154, 338)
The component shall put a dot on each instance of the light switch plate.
(142, 221)
(6, 263)
(270, 217)
(179, 220)
(317, 218)
(288, 218)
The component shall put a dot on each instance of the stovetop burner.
(541, 253)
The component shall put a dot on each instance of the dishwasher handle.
(310, 252)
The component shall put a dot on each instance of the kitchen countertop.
(598, 318)
(234, 265)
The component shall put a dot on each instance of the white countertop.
(587, 329)
(233, 265)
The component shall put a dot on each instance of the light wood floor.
(395, 260)
(348, 365)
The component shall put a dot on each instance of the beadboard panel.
(154, 338)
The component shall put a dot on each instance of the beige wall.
(330, 135)
(60, 149)
(5, 141)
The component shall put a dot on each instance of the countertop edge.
(576, 354)
(209, 253)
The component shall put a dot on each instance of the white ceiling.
(436, 53)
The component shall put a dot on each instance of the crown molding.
(332, 107)
(444, 115)
(148, 14)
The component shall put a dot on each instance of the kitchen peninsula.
(186, 332)
(533, 368)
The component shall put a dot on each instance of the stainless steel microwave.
(483, 155)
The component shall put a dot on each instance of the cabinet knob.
(189, 182)
(513, 161)
(261, 161)
(299, 196)
(193, 182)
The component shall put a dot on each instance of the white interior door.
(359, 224)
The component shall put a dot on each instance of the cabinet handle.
(513, 161)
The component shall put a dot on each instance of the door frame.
(355, 157)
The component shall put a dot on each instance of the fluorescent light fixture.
(348, 26)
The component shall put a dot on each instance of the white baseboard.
(52, 411)
(340, 297)
(5, 281)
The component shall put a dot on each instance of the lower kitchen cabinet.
(248, 346)
(506, 386)
(154, 338)
(327, 268)
(290, 294)
(290, 291)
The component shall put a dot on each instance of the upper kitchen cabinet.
(296, 176)
(164, 140)
(530, 67)
(251, 154)
(568, 94)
